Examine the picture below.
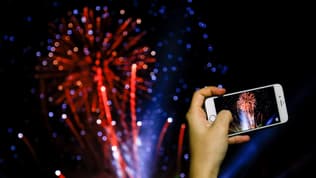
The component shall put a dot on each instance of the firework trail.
(93, 70)
(28, 144)
(180, 146)
(162, 135)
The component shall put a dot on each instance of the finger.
(199, 95)
(238, 139)
(222, 121)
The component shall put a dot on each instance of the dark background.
(261, 43)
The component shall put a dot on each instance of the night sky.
(236, 45)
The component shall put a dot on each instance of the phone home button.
(212, 118)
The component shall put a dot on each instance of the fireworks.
(246, 107)
(92, 73)
(247, 102)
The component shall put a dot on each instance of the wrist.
(201, 170)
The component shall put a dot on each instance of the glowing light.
(98, 121)
(139, 123)
(57, 172)
(64, 116)
(20, 135)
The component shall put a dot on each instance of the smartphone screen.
(251, 109)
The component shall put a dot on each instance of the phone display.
(251, 109)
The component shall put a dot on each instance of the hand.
(208, 141)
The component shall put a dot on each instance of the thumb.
(223, 120)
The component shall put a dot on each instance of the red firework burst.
(93, 71)
(247, 102)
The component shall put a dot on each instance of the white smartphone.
(252, 109)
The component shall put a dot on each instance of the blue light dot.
(190, 10)
(160, 44)
(186, 156)
(105, 15)
(173, 68)
(188, 29)
(210, 48)
(11, 38)
(180, 58)
(202, 25)
(137, 30)
(98, 8)
(69, 32)
(44, 63)
(120, 21)
(224, 69)
(57, 36)
(205, 36)
(169, 56)
(162, 10)
(72, 92)
(182, 175)
(90, 32)
(179, 41)
(188, 46)
(82, 132)
(50, 114)
(99, 133)
(33, 90)
(42, 96)
(10, 130)
(75, 12)
(12, 148)
(54, 134)
(64, 106)
(28, 19)
(78, 157)
(38, 54)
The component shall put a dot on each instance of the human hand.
(208, 141)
